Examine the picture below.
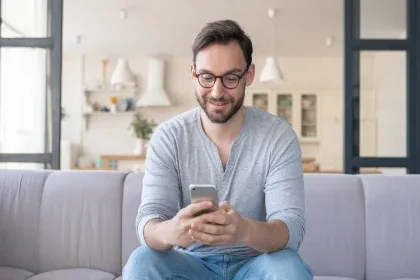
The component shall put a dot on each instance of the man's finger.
(208, 228)
(208, 238)
(191, 209)
(216, 218)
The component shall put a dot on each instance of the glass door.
(260, 101)
(284, 108)
(382, 51)
(309, 116)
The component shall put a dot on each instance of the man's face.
(220, 102)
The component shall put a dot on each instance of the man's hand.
(180, 225)
(222, 227)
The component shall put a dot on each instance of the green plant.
(142, 127)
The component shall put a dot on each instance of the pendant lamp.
(271, 72)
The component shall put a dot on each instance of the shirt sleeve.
(161, 191)
(284, 189)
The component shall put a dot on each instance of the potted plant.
(142, 129)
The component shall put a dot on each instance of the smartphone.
(200, 193)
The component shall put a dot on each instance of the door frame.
(353, 45)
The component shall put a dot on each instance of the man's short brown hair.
(223, 32)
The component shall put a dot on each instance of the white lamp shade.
(122, 75)
(271, 71)
(155, 94)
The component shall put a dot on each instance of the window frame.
(53, 43)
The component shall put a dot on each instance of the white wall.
(110, 135)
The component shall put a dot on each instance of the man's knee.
(140, 258)
(287, 264)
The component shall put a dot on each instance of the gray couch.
(80, 225)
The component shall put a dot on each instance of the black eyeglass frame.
(220, 77)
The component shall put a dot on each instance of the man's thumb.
(225, 206)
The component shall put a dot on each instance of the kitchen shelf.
(112, 91)
(88, 115)
(127, 113)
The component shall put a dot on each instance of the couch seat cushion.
(119, 278)
(332, 278)
(74, 274)
(10, 273)
(406, 279)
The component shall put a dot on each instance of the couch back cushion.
(334, 243)
(131, 202)
(80, 221)
(392, 226)
(20, 203)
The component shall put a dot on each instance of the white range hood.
(155, 94)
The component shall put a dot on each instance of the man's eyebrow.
(234, 70)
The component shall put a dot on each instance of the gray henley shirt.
(262, 180)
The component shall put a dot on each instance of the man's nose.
(218, 89)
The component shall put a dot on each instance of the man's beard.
(217, 116)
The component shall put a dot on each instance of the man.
(252, 157)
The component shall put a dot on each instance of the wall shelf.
(127, 113)
(88, 115)
(97, 98)
(112, 91)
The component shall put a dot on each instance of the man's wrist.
(158, 225)
(263, 236)
(245, 231)
(164, 227)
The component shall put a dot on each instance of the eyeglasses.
(230, 81)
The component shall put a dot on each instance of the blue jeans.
(146, 263)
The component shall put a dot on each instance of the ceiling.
(169, 26)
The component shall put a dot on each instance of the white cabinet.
(318, 119)
(301, 109)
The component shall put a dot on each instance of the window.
(29, 129)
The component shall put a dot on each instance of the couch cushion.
(332, 278)
(20, 203)
(406, 279)
(80, 222)
(10, 273)
(392, 226)
(131, 201)
(334, 242)
(74, 274)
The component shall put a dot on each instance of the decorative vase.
(104, 69)
(140, 147)
(113, 108)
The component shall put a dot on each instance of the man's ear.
(192, 70)
(250, 74)
(192, 73)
